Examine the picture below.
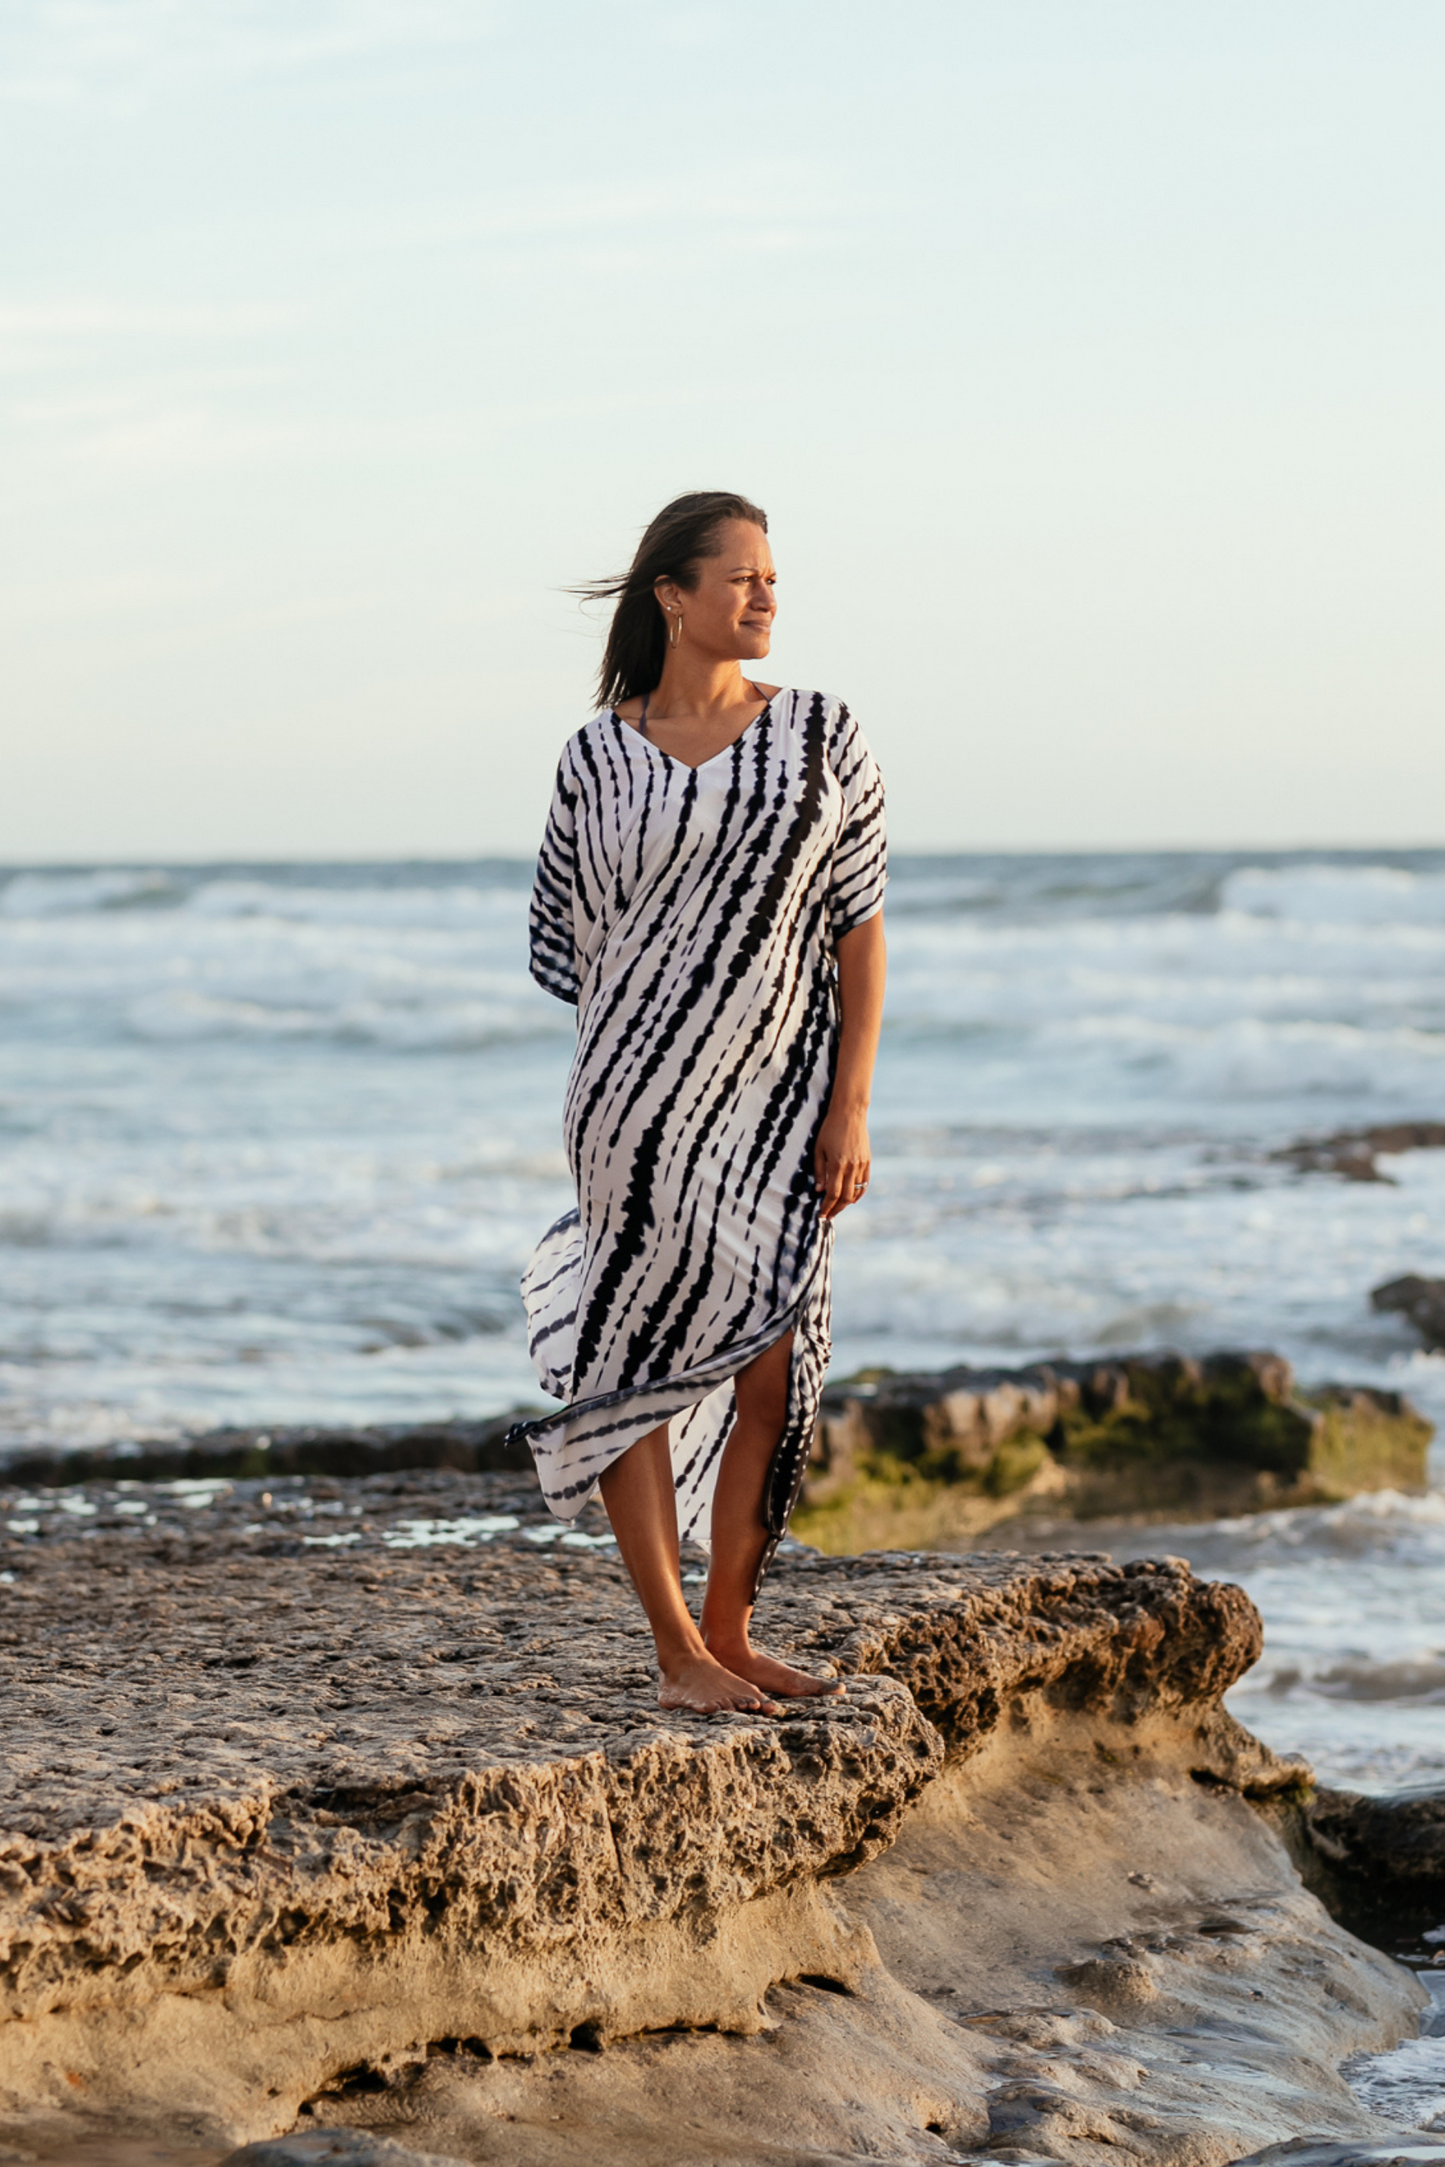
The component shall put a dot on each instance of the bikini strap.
(642, 718)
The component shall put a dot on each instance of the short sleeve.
(551, 921)
(860, 856)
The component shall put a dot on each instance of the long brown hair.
(682, 534)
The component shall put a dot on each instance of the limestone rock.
(1355, 1153)
(355, 1798)
(1384, 1856)
(1407, 2148)
(913, 1460)
(335, 2148)
(281, 1450)
(1421, 1300)
(930, 1458)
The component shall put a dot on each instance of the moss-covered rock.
(904, 1461)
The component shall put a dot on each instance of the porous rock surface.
(343, 1793)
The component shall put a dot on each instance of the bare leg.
(740, 1534)
(642, 1506)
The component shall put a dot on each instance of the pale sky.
(1087, 355)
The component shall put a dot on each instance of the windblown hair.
(682, 534)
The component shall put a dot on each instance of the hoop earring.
(674, 626)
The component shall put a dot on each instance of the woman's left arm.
(843, 1159)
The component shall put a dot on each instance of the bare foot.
(766, 1672)
(701, 1682)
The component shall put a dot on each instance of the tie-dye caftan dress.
(692, 915)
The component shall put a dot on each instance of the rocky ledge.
(927, 1459)
(348, 1804)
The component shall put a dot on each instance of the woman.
(709, 894)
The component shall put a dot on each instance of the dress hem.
(697, 1384)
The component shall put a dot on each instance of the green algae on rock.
(906, 1461)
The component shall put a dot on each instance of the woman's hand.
(843, 1160)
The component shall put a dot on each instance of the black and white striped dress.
(692, 913)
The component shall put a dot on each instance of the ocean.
(275, 1141)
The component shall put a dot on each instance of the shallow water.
(275, 1142)
(1353, 1599)
(1407, 2085)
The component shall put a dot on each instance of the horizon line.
(143, 860)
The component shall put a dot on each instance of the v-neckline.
(697, 768)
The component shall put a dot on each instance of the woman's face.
(729, 613)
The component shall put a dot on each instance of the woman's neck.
(698, 685)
